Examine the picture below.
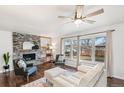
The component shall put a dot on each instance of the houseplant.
(6, 58)
(35, 45)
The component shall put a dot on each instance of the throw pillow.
(60, 58)
(22, 64)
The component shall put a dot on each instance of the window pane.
(75, 49)
(100, 43)
(85, 49)
(67, 48)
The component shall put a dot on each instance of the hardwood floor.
(114, 82)
(10, 80)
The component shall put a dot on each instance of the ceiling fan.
(80, 16)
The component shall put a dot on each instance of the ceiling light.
(78, 22)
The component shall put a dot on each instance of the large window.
(85, 49)
(70, 48)
(91, 48)
(100, 44)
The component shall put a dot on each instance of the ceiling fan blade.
(68, 22)
(89, 21)
(95, 13)
(65, 17)
(62, 17)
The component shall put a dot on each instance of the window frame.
(63, 46)
(92, 37)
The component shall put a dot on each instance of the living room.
(61, 46)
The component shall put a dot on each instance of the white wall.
(118, 52)
(118, 46)
(56, 45)
(5, 46)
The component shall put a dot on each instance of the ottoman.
(52, 73)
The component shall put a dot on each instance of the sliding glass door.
(75, 49)
(100, 47)
(92, 48)
(70, 51)
(85, 48)
(67, 48)
(70, 48)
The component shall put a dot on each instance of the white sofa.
(52, 73)
(88, 75)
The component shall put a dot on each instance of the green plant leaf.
(6, 57)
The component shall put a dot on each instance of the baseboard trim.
(109, 77)
(117, 77)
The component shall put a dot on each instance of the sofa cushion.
(31, 70)
(60, 82)
(91, 76)
(86, 78)
(84, 68)
(54, 72)
(73, 80)
(78, 74)
(91, 64)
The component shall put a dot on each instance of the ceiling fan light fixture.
(78, 21)
(80, 16)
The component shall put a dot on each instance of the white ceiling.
(42, 20)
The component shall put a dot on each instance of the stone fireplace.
(32, 55)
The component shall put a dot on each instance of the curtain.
(109, 54)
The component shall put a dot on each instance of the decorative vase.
(6, 67)
(35, 47)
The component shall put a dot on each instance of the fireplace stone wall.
(19, 39)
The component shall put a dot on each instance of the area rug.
(38, 83)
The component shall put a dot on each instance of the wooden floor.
(10, 80)
(114, 82)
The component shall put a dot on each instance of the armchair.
(60, 59)
(27, 71)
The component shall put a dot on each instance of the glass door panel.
(67, 49)
(100, 45)
(86, 49)
(75, 49)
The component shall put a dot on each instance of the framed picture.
(45, 41)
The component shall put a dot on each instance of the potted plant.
(35, 45)
(6, 58)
